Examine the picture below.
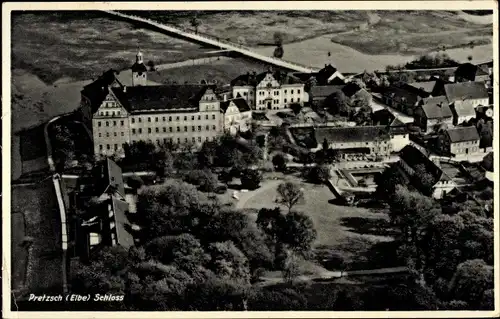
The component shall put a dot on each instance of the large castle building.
(177, 114)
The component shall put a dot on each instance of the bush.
(250, 179)
(319, 174)
(221, 189)
(135, 182)
(196, 177)
(279, 162)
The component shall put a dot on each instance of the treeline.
(427, 61)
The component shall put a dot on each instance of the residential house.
(319, 94)
(464, 98)
(329, 75)
(413, 163)
(432, 113)
(402, 98)
(468, 72)
(354, 93)
(108, 225)
(426, 87)
(177, 114)
(354, 141)
(237, 115)
(459, 141)
(399, 134)
(269, 90)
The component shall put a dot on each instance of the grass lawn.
(38, 203)
(64, 45)
(355, 237)
(222, 70)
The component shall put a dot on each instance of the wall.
(399, 141)
(468, 147)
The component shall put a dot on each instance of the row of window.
(170, 118)
(171, 129)
(115, 123)
(114, 133)
(165, 141)
(113, 113)
(262, 102)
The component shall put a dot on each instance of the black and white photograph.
(228, 157)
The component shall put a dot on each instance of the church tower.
(139, 71)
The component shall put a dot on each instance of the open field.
(54, 46)
(349, 237)
(223, 71)
(38, 203)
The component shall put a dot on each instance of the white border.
(259, 5)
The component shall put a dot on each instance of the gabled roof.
(413, 157)
(465, 91)
(252, 79)
(399, 93)
(436, 108)
(350, 134)
(113, 177)
(161, 97)
(97, 91)
(325, 73)
(397, 123)
(240, 103)
(323, 91)
(350, 89)
(427, 86)
(464, 110)
(123, 237)
(462, 134)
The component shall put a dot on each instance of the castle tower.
(139, 71)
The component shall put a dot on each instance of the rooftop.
(161, 97)
(436, 108)
(462, 134)
(427, 86)
(414, 157)
(240, 103)
(350, 134)
(323, 91)
(465, 91)
(123, 237)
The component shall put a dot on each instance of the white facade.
(398, 141)
(235, 121)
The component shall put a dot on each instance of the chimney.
(124, 89)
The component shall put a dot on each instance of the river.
(314, 52)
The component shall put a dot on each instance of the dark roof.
(112, 177)
(139, 67)
(465, 90)
(397, 123)
(350, 134)
(123, 237)
(350, 89)
(325, 73)
(97, 91)
(252, 79)
(413, 157)
(469, 71)
(436, 108)
(399, 93)
(427, 86)
(161, 97)
(462, 134)
(240, 103)
(258, 116)
(323, 91)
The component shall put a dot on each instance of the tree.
(207, 154)
(135, 182)
(290, 194)
(298, 232)
(319, 174)
(228, 262)
(411, 212)
(151, 65)
(183, 251)
(486, 135)
(424, 180)
(63, 146)
(195, 23)
(208, 183)
(487, 162)
(296, 108)
(168, 209)
(279, 162)
(291, 267)
(216, 294)
(471, 279)
(250, 179)
(278, 41)
(337, 103)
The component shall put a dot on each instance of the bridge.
(214, 42)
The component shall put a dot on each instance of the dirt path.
(245, 197)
